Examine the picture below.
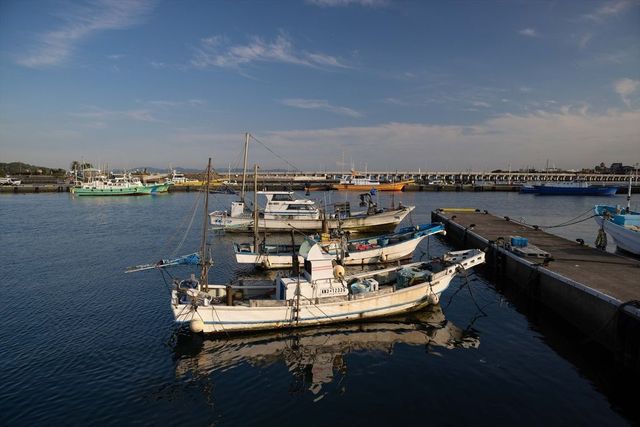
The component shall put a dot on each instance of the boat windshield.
(282, 197)
(306, 246)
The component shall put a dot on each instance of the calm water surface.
(82, 342)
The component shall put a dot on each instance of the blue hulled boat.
(575, 188)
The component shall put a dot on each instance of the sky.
(324, 84)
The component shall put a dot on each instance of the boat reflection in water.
(316, 357)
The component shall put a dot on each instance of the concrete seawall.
(596, 292)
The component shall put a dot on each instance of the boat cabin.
(354, 179)
(320, 278)
(281, 205)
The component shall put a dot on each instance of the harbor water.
(85, 343)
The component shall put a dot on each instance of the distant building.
(616, 168)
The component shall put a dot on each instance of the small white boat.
(371, 250)
(9, 181)
(623, 225)
(321, 295)
(284, 212)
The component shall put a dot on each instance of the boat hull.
(132, 191)
(545, 190)
(161, 188)
(626, 238)
(373, 256)
(384, 221)
(391, 186)
(390, 252)
(225, 319)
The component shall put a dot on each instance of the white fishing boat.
(622, 224)
(322, 294)
(371, 250)
(363, 182)
(284, 212)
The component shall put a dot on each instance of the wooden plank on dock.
(611, 274)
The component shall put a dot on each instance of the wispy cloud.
(158, 65)
(217, 51)
(625, 88)
(80, 22)
(529, 32)
(175, 104)
(481, 104)
(343, 3)
(320, 104)
(609, 9)
(619, 56)
(100, 115)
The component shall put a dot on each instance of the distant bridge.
(464, 177)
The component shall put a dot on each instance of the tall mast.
(244, 168)
(204, 273)
(629, 194)
(256, 214)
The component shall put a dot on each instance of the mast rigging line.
(274, 153)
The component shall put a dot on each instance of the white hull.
(382, 221)
(325, 301)
(624, 238)
(241, 318)
(372, 256)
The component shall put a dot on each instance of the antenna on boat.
(256, 214)
(204, 273)
(244, 168)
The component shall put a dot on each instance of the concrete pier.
(595, 291)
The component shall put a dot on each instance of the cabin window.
(281, 198)
(299, 207)
(307, 266)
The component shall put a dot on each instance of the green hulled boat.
(118, 186)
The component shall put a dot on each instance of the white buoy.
(196, 325)
(338, 271)
(433, 299)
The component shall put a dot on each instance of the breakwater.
(595, 291)
(298, 186)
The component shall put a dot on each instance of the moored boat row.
(322, 292)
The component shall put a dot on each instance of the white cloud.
(82, 21)
(609, 9)
(175, 104)
(99, 114)
(320, 104)
(216, 51)
(343, 3)
(480, 104)
(529, 32)
(573, 138)
(625, 88)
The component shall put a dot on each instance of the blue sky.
(393, 85)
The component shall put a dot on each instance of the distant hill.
(19, 168)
